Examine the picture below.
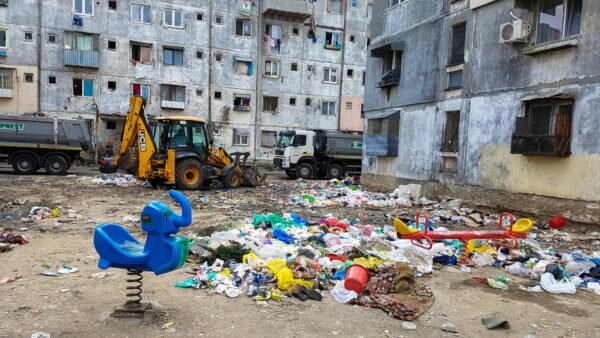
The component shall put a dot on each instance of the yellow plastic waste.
(55, 213)
(471, 247)
(250, 255)
(369, 263)
(285, 277)
(226, 272)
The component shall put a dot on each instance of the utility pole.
(257, 70)
(39, 56)
(210, 23)
(345, 9)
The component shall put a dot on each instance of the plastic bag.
(577, 268)
(551, 285)
(482, 259)
(369, 263)
(421, 261)
(341, 294)
(518, 269)
(285, 277)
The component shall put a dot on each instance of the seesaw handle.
(185, 218)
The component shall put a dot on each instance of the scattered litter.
(8, 279)
(449, 327)
(101, 275)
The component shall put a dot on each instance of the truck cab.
(291, 146)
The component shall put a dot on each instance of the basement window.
(382, 135)
(545, 130)
(451, 132)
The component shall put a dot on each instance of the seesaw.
(161, 253)
(511, 234)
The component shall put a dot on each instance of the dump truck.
(31, 143)
(318, 154)
(177, 150)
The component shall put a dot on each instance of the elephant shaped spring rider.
(163, 252)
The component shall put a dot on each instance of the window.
(368, 41)
(173, 18)
(199, 54)
(364, 75)
(172, 93)
(348, 105)
(141, 13)
(352, 38)
(294, 67)
(52, 38)
(455, 79)
(240, 137)
(391, 68)
(142, 90)
(81, 41)
(83, 87)
(268, 139)
(270, 103)
(558, 19)
(451, 132)
(199, 92)
(457, 48)
(292, 101)
(300, 140)
(332, 40)
(330, 75)
(271, 68)
(350, 73)
(218, 57)
(85, 7)
(307, 101)
(354, 4)
(112, 85)
(243, 28)
(111, 125)
(243, 66)
(112, 5)
(6, 78)
(295, 31)
(241, 102)
(394, 2)
(219, 19)
(199, 16)
(309, 68)
(382, 136)
(173, 56)
(545, 129)
(112, 45)
(218, 95)
(328, 108)
(52, 79)
(28, 77)
(334, 6)
(28, 36)
(141, 53)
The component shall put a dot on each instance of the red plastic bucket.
(557, 222)
(356, 278)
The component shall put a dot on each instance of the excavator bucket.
(252, 176)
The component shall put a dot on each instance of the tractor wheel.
(335, 171)
(305, 171)
(233, 179)
(56, 165)
(189, 174)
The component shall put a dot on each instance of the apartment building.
(250, 67)
(489, 100)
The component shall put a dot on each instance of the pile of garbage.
(9, 240)
(116, 179)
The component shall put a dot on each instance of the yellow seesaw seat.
(403, 229)
(522, 226)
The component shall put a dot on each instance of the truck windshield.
(285, 140)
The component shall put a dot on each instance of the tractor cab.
(186, 135)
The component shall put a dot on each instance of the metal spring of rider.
(134, 289)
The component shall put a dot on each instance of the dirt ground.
(76, 305)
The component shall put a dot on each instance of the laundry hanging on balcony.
(77, 21)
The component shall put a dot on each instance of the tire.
(24, 164)
(290, 174)
(56, 165)
(189, 174)
(335, 171)
(304, 171)
(233, 179)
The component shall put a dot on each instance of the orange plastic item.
(356, 278)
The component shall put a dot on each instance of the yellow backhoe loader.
(176, 150)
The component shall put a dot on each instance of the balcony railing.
(390, 78)
(172, 104)
(5, 92)
(547, 145)
(81, 58)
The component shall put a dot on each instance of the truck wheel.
(305, 171)
(233, 179)
(290, 174)
(24, 164)
(335, 171)
(189, 174)
(56, 165)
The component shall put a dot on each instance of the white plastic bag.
(341, 294)
(482, 259)
(577, 268)
(550, 284)
(518, 269)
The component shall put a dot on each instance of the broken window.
(143, 90)
(172, 93)
(334, 6)
(268, 139)
(141, 53)
(83, 87)
(457, 48)
(332, 40)
(173, 56)
(382, 135)
(330, 75)
(141, 13)
(241, 102)
(243, 27)
(270, 103)
(271, 68)
(199, 54)
(243, 66)
(363, 78)
(352, 38)
(557, 19)
(173, 18)
(451, 132)
(545, 129)
(240, 137)
(295, 31)
(85, 7)
(199, 92)
(328, 108)
(199, 16)
(307, 101)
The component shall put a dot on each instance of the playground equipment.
(510, 234)
(161, 253)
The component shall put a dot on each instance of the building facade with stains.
(250, 67)
(490, 100)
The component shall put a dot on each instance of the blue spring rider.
(161, 253)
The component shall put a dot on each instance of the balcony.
(172, 104)
(390, 78)
(6, 92)
(81, 58)
(290, 10)
(546, 145)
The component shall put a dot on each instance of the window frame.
(240, 138)
(333, 45)
(173, 50)
(329, 7)
(25, 36)
(6, 31)
(328, 111)
(173, 16)
(83, 81)
(142, 86)
(453, 59)
(116, 8)
(451, 136)
(244, 22)
(264, 103)
(175, 88)
(142, 6)
(564, 23)
(141, 45)
(327, 79)
(272, 62)
(83, 8)
(108, 45)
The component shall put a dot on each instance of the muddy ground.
(76, 305)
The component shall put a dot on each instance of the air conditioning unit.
(515, 31)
